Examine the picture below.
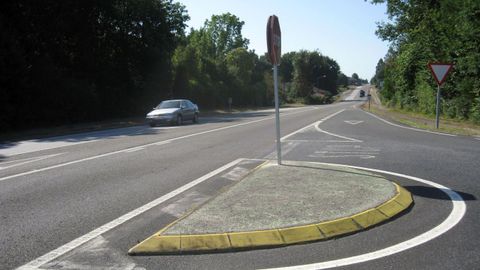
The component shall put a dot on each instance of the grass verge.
(421, 121)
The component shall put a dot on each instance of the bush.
(426, 98)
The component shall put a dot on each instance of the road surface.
(86, 197)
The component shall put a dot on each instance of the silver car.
(173, 111)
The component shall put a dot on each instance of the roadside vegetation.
(68, 62)
(420, 120)
(431, 31)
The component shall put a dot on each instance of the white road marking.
(26, 160)
(363, 153)
(457, 213)
(145, 145)
(35, 264)
(319, 141)
(134, 149)
(100, 256)
(317, 127)
(297, 131)
(353, 122)
(362, 156)
(162, 142)
(416, 129)
(311, 125)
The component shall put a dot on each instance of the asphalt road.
(58, 190)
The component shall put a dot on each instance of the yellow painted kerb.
(168, 244)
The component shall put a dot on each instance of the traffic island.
(276, 205)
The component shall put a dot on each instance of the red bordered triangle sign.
(440, 71)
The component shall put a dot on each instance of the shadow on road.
(85, 134)
(437, 194)
(335, 170)
(353, 100)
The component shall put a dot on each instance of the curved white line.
(317, 127)
(457, 213)
(416, 129)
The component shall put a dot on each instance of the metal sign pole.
(277, 114)
(437, 116)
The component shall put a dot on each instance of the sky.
(340, 29)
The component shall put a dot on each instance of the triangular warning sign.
(440, 71)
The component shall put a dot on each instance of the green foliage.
(311, 71)
(286, 67)
(71, 61)
(379, 76)
(342, 80)
(215, 64)
(426, 97)
(428, 31)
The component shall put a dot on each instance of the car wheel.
(195, 118)
(179, 120)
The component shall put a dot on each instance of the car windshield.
(169, 104)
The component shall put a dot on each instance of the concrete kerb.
(159, 244)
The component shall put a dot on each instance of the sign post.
(439, 72)
(274, 44)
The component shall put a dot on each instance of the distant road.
(354, 95)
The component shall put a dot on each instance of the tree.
(112, 57)
(225, 31)
(286, 68)
(311, 69)
(342, 79)
(424, 31)
(240, 64)
(379, 76)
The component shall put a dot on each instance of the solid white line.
(145, 145)
(131, 150)
(457, 213)
(415, 129)
(349, 152)
(311, 125)
(297, 131)
(342, 156)
(35, 264)
(331, 115)
(317, 127)
(318, 141)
